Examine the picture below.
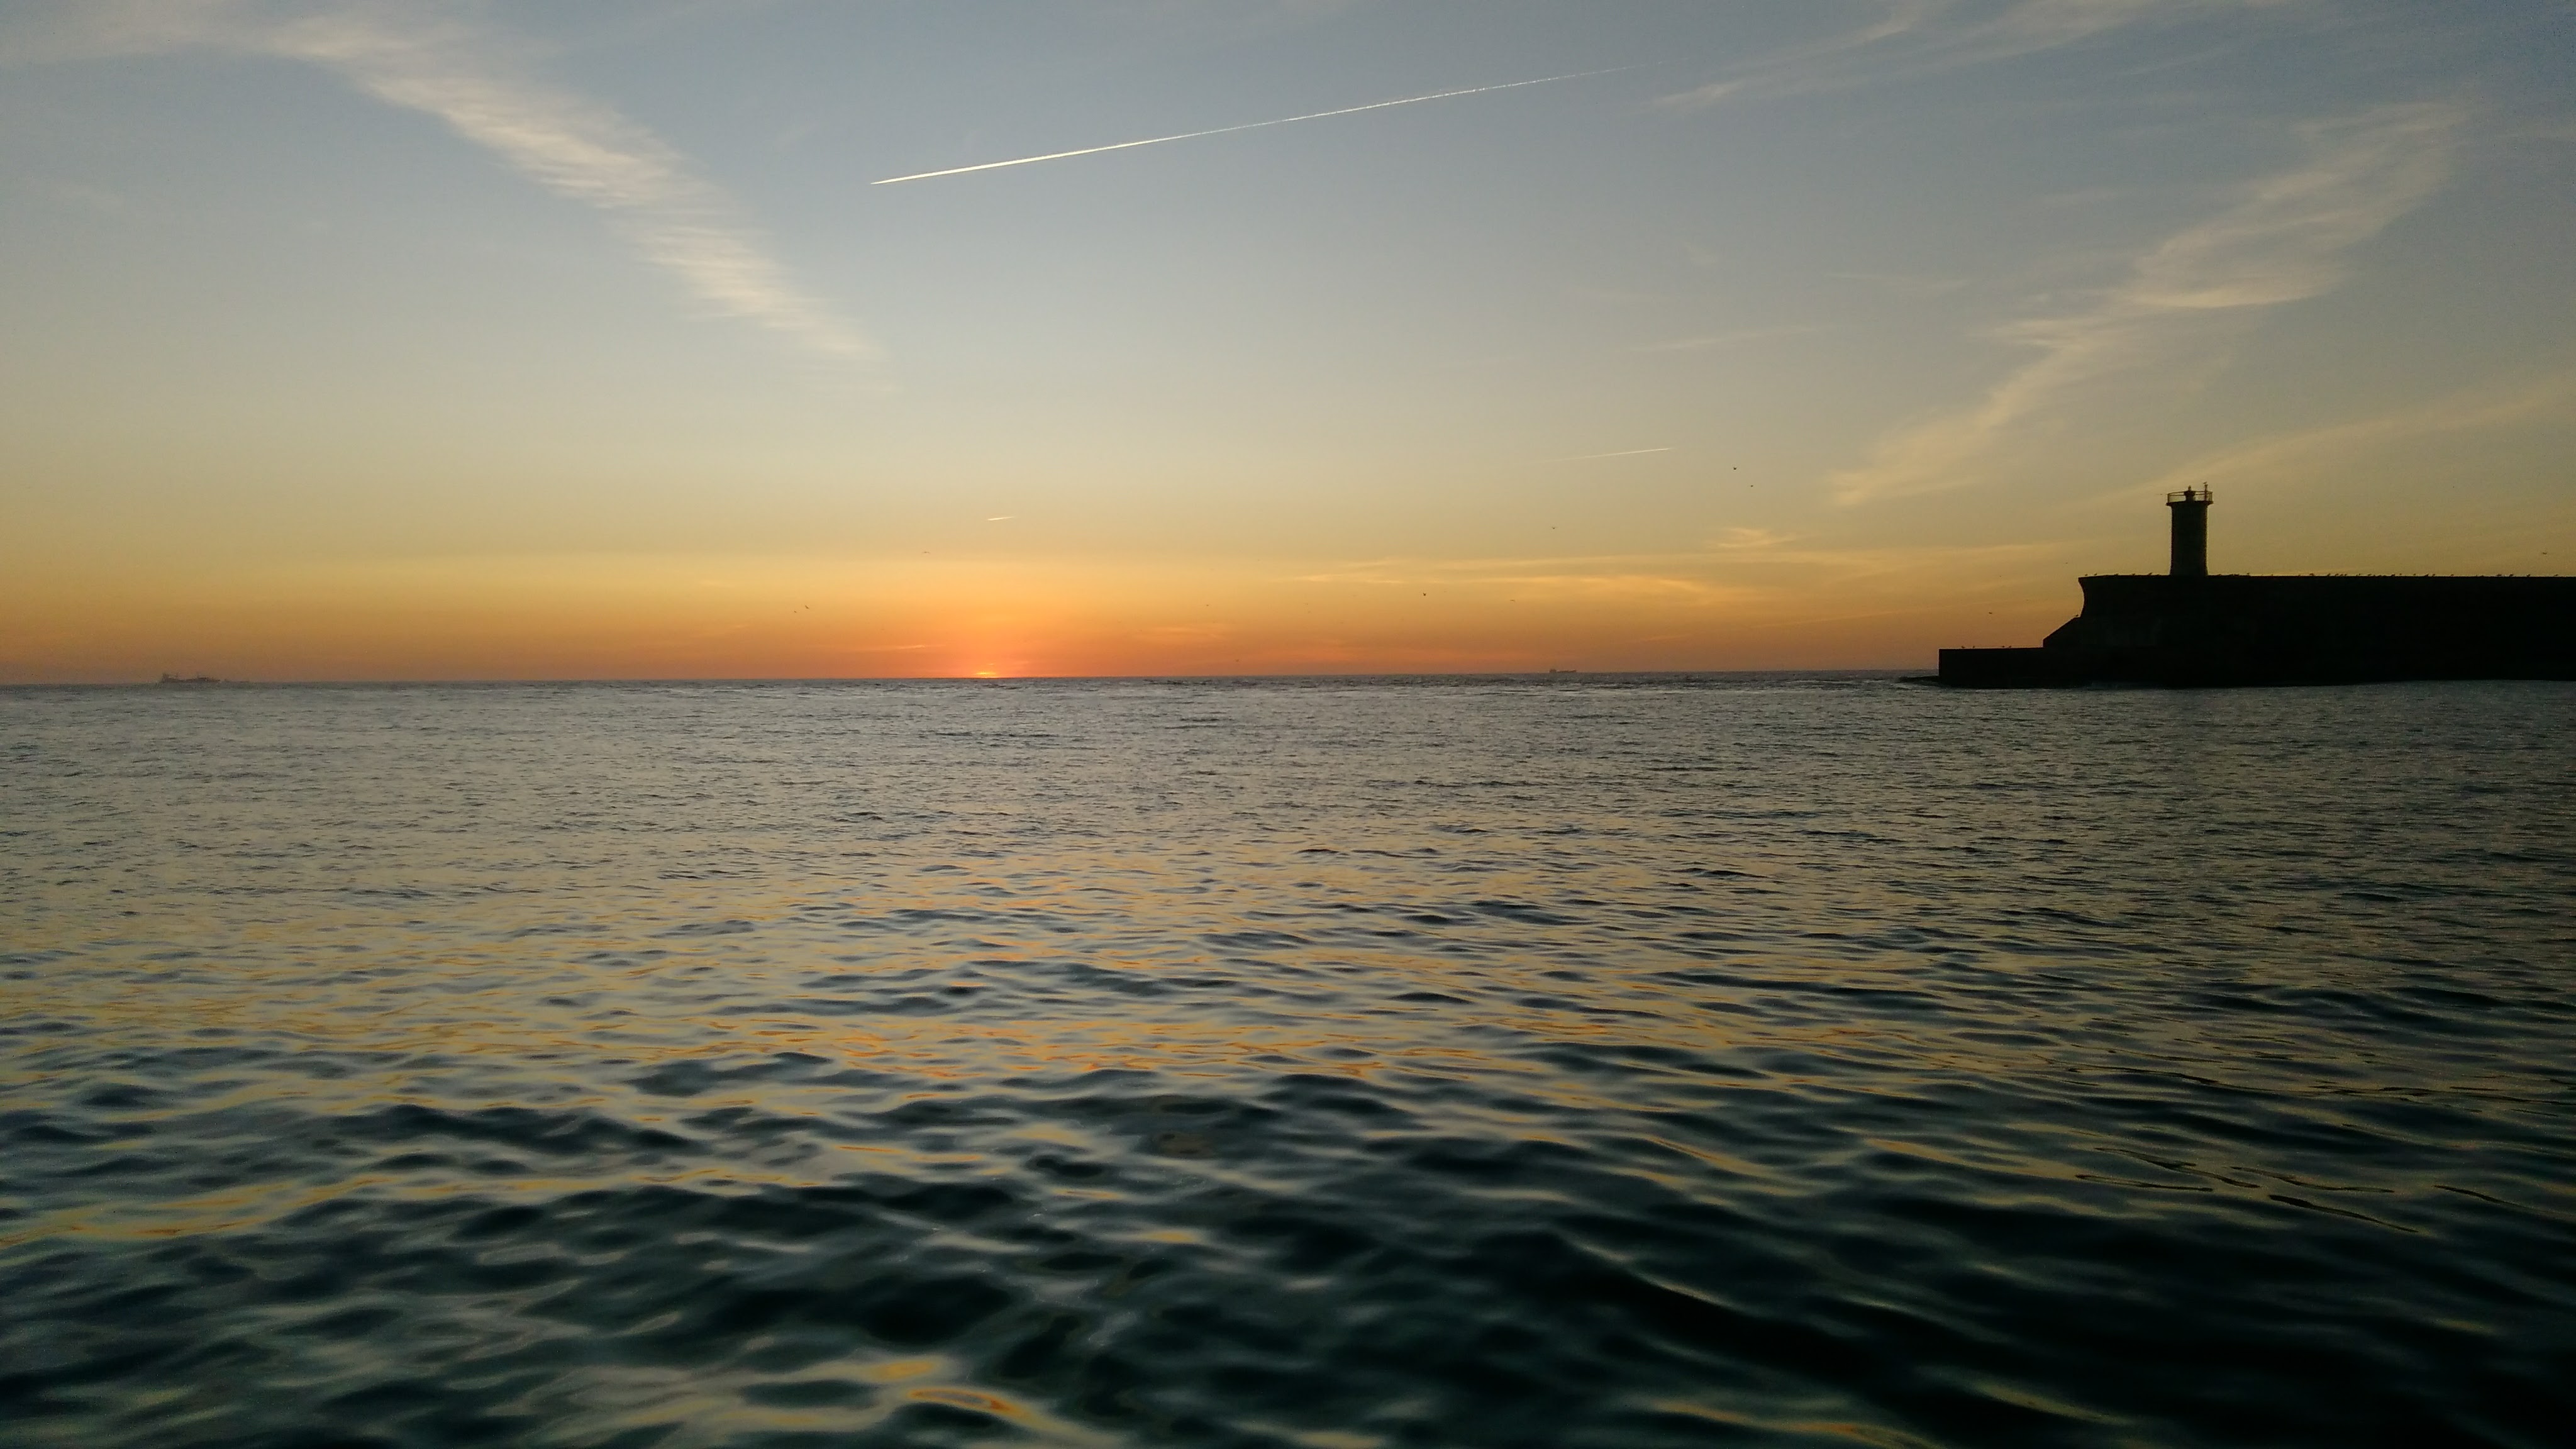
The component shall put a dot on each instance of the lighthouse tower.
(2190, 532)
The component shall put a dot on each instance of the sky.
(610, 340)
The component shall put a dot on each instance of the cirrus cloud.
(434, 60)
(2284, 239)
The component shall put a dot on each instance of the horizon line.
(1542, 672)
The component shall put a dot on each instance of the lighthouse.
(2193, 627)
(2190, 532)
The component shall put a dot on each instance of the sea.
(1609, 1061)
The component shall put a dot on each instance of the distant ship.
(2192, 627)
(191, 679)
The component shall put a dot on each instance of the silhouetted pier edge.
(2192, 627)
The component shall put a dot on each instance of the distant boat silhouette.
(191, 679)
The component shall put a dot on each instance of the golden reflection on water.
(1391, 1011)
(848, 1397)
(414, 989)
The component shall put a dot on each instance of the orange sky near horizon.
(772, 619)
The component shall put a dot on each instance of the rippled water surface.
(1599, 1063)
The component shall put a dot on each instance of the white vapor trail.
(1251, 125)
(1921, 36)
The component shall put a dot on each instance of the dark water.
(1622, 1063)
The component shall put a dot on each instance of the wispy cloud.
(1737, 540)
(2283, 240)
(426, 58)
(1740, 566)
(1807, 66)
(2301, 454)
(1916, 36)
(1669, 577)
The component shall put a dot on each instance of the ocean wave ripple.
(1629, 1063)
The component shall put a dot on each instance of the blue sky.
(579, 339)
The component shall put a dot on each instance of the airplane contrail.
(1622, 453)
(1252, 125)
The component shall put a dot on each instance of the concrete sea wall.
(2293, 629)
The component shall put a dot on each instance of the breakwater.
(2191, 627)
(2292, 629)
